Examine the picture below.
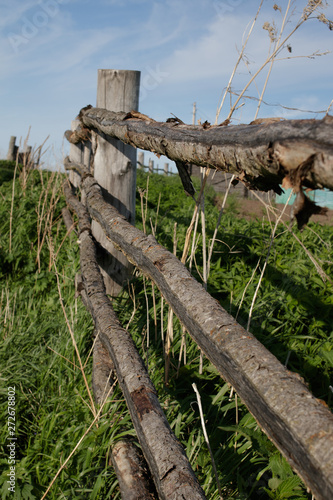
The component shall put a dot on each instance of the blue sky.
(51, 50)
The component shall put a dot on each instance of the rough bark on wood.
(299, 425)
(131, 472)
(166, 458)
(261, 154)
(67, 218)
(103, 371)
(126, 459)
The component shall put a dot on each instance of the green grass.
(292, 315)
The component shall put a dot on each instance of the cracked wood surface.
(300, 425)
(170, 468)
(261, 154)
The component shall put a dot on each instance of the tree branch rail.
(300, 425)
(263, 154)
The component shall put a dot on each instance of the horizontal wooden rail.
(165, 456)
(300, 425)
(262, 154)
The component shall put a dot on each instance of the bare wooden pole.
(11, 156)
(76, 154)
(166, 168)
(115, 169)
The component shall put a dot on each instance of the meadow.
(291, 316)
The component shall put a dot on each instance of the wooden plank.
(165, 456)
(115, 169)
(300, 425)
(261, 154)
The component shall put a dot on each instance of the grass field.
(292, 317)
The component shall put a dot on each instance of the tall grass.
(54, 418)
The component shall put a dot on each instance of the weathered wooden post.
(12, 149)
(151, 166)
(115, 169)
(166, 168)
(76, 155)
(141, 159)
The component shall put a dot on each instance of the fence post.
(115, 169)
(151, 166)
(75, 155)
(141, 159)
(166, 168)
(11, 156)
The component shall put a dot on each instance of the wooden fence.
(23, 157)
(263, 155)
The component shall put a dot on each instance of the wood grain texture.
(115, 169)
(299, 424)
(261, 154)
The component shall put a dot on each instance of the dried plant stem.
(210, 250)
(319, 269)
(182, 350)
(246, 287)
(155, 311)
(168, 343)
(278, 47)
(203, 231)
(207, 440)
(147, 315)
(272, 61)
(97, 416)
(194, 243)
(157, 212)
(93, 409)
(237, 64)
(266, 260)
(162, 319)
(196, 209)
(132, 295)
(169, 333)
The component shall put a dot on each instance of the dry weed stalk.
(45, 214)
(96, 417)
(266, 261)
(319, 269)
(191, 226)
(92, 404)
(280, 43)
(210, 247)
(169, 332)
(240, 57)
(203, 425)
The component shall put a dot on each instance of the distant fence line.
(219, 180)
(21, 156)
(151, 166)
